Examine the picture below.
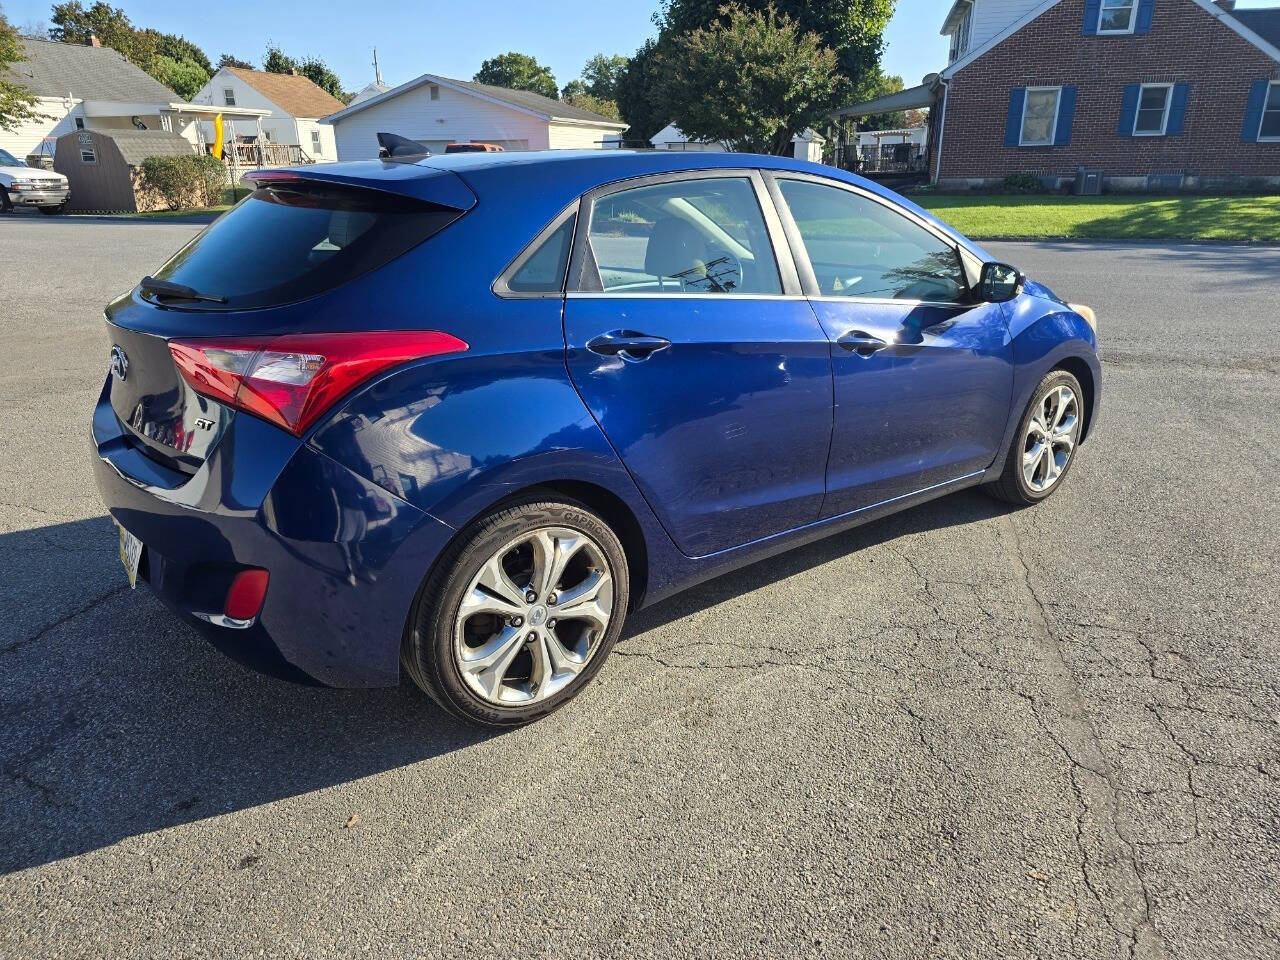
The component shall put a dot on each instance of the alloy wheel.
(1050, 439)
(533, 616)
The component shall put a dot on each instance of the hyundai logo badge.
(119, 363)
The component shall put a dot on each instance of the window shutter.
(1253, 112)
(1013, 126)
(1177, 110)
(1129, 109)
(1092, 10)
(1145, 9)
(1066, 113)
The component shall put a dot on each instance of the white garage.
(438, 111)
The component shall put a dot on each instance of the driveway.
(959, 732)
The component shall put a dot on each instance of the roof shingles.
(51, 69)
(295, 94)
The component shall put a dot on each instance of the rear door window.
(291, 240)
(701, 235)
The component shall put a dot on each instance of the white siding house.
(88, 87)
(438, 111)
(972, 23)
(672, 137)
(296, 104)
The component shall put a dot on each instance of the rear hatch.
(252, 275)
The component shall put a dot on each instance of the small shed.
(104, 167)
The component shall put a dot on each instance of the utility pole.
(377, 73)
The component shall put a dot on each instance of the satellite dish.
(138, 124)
(929, 79)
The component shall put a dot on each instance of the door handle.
(863, 344)
(627, 344)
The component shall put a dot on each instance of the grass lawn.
(1110, 217)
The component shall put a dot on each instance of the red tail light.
(293, 379)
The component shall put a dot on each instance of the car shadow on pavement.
(119, 720)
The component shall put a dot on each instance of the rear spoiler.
(440, 187)
(392, 146)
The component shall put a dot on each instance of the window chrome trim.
(584, 274)
(502, 288)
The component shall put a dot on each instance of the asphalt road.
(960, 732)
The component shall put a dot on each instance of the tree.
(574, 88)
(173, 60)
(585, 101)
(231, 60)
(17, 104)
(313, 68)
(852, 28)
(518, 71)
(752, 80)
(601, 75)
(886, 84)
(640, 88)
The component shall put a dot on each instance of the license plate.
(130, 554)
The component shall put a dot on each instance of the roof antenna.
(377, 73)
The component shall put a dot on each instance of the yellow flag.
(217, 136)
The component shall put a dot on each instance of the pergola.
(914, 98)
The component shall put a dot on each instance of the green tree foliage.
(231, 60)
(187, 181)
(574, 88)
(17, 105)
(601, 75)
(518, 71)
(173, 60)
(752, 80)
(885, 84)
(313, 68)
(640, 90)
(852, 28)
(585, 101)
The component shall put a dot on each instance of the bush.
(188, 181)
(1022, 183)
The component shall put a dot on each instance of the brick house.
(1152, 93)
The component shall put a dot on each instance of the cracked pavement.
(958, 732)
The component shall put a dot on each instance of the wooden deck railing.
(269, 154)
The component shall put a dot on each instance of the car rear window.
(289, 241)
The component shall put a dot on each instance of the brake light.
(292, 380)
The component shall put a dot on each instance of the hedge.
(187, 181)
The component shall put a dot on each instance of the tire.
(52, 211)
(1025, 482)
(5, 205)
(539, 661)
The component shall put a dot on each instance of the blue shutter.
(1129, 109)
(1177, 110)
(1145, 9)
(1092, 10)
(1066, 113)
(1013, 125)
(1253, 112)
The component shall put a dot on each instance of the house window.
(960, 38)
(1040, 116)
(79, 123)
(435, 92)
(228, 97)
(88, 155)
(315, 143)
(1117, 16)
(1270, 129)
(1153, 110)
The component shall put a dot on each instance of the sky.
(451, 39)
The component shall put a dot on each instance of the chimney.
(293, 71)
(1227, 5)
(93, 41)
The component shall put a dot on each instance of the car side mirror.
(999, 282)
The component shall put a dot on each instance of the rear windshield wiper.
(177, 291)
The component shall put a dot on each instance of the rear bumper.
(345, 557)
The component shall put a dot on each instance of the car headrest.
(674, 247)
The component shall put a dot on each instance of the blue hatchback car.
(461, 414)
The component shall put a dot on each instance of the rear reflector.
(293, 379)
(245, 596)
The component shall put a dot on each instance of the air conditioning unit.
(1088, 182)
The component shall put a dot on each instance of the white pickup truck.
(23, 186)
